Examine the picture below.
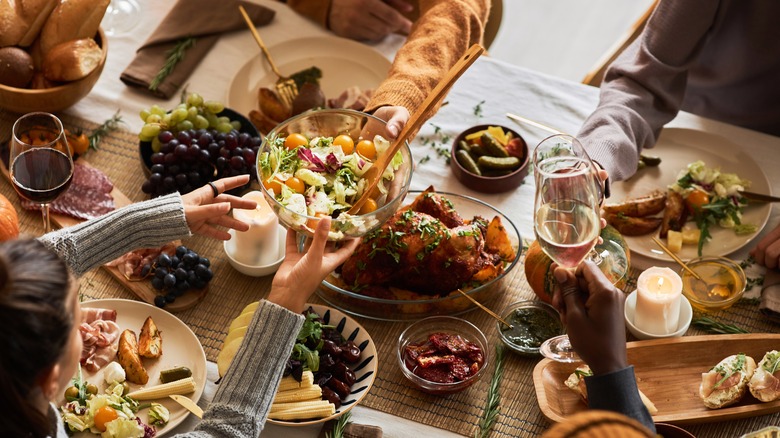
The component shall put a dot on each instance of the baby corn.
(309, 404)
(289, 383)
(309, 409)
(313, 392)
(181, 387)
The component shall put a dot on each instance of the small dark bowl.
(145, 147)
(489, 184)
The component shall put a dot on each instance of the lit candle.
(659, 291)
(259, 245)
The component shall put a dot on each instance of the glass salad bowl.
(311, 166)
(395, 304)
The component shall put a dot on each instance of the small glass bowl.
(723, 283)
(419, 331)
(519, 315)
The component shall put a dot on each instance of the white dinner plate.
(344, 63)
(677, 148)
(180, 348)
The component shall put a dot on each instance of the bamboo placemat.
(230, 291)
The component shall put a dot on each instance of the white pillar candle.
(259, 245)
(658, 301)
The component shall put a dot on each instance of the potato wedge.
(150, 341)
(632, 226)
(639, 207)
(272, 106)
(261, 121)
(675, 213)
(497, 240)
(128, 357)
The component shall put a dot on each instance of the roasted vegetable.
(311, 75)
(272, 106)
(675, 213)
(150, 341)
(639, 207)
(128, 357)
(632, 226)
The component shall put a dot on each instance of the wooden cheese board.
(668, 372)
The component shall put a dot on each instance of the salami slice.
(88, 196)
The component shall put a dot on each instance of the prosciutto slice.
(765, 384)
(99, 337)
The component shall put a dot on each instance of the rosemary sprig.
(710, 325)
(492, 408)
(101, 131)
(338, 428)
(173, 57)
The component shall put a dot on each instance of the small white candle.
(658, 301)
(260, 244)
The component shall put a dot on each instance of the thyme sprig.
(101, 131)
(492, 408)
(340, 426)
(173, 57)
(710, 325)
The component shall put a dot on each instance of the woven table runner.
(230, 291)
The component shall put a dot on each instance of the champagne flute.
(121, 17)
(566, 223)
(41, 165)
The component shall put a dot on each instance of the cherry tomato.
(274, 185)
(79, 143)
(368, 206)
(295, 140)
(346, 143)
(103, 416)
(295, 184)
(312, 223)
(367, 149)
(696, 199)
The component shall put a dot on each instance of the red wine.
(566, 231)
(41, 174)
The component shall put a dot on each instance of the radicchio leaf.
(333, 163)
(314, 161)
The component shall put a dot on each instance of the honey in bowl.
(722, 283)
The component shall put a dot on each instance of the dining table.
(483, 95)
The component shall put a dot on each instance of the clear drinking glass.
(121, 17)
(567, 222)
(41, 166)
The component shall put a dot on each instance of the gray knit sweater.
(714, 58)
(245, 393)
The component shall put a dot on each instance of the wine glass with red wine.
(41, 166)
(567, 222)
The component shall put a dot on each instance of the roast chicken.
(426, 248)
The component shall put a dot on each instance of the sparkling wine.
(567, 230)
(41, 174)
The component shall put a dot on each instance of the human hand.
(767, 252)
(592, 310)
(301, 272)
(396, 118)
(369, 19)
(203, 210)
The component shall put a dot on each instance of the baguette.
(71, 20)
(727, 382)
(576, 382)
(765, 383)
(21, 20)
(71, 60)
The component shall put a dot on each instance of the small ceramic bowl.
(686, 315)
(488, 183)
(418, 333)
(724, 283)
(534, 322)
(255, 270)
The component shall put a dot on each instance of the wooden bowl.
(24, 100)
(489, 184)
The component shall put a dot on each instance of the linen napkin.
(204, 20)
(770, 296)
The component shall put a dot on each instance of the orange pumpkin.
(537, 265)
(9, 221)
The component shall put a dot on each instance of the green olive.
(125, 388)
(71, 393)
(91, 389)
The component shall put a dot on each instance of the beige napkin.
(202, 19)
(770, 296)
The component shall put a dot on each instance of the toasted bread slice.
(726, 383)
(128, 357)
(150, 342)
(576, 382)
(765, 383)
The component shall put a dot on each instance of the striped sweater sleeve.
(145, 224)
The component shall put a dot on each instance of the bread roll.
(21, 20)
(72, 20)
(765, 383)
(16, 67)
(726, 383)
(71, 60)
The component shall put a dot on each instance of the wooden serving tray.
(669, 373)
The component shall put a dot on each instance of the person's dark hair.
(36, 320)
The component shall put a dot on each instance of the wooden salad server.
(374, 173)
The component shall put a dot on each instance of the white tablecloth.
(502, 87)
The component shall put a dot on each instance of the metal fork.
(285, 86)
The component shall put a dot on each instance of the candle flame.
(660, 282)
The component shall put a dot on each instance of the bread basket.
(23, 100)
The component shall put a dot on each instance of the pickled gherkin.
(493, 147)
(499, 163)
(467, 162)
(174, 374)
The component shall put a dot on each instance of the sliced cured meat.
(88, 197)
(765, 383)
(99, 338)
(132, 263)
(352, 98)
(92, 314)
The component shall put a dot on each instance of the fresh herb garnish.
(173, 57)
(726, 373)
(492, 408)
(710, 325)
(478, 109)
(101, 131)
(339, 426)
